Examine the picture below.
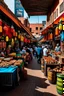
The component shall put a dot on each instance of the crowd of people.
(36, 51)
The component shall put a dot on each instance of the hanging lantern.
(51, 36)
(22, 38)
(19, 36)
(57, 31)
(12, 40)
(0, 26)
(7, 38)
(0, 22)
(63, 27)
(0, 29)
(12, 43)
(15, 38)
(16, 34)
(60, 26)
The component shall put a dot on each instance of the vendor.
(57, 48)
(3, 52)
(8, 50)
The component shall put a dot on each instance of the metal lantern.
(19, 36)
(22, 38)
(57, 31)
(0, 29)
(63, 27)
(7, 38)
(51, 36)
(0, 26)
(15, 38)
(12, 40)
(60, 27)
(16, 34)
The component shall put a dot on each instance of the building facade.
(36, 29)
(56, 11)
(54, 30)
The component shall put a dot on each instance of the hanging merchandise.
(19, 36)
(0, 26)
(7, 38)
(16, 34)
(60, 25)
(22, 38)
(7, 31)
(0, 29)
(12, 43)
(3, 44)
(51, 36)
(13, 31)
(15, 38)
(63, 27)
(57, 31)
(62, 36)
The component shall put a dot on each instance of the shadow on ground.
(28, 88)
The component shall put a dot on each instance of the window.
(36, 28)
(57, 13)
(61, 7)
(40, 28)
(36, 33)
(30, 29)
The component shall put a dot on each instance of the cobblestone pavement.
(36, 84)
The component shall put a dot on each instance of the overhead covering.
(37, 7)
(10, 15)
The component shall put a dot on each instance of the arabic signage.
(19, 10)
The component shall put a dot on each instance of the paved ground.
(35, 85)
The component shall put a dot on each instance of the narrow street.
(35, 85)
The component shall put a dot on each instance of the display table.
(49, 65)
(8, 76)
(49, 62)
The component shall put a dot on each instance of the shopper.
(57, 48)
(45, 51)
(39, 53)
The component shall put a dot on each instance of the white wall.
(11, 5)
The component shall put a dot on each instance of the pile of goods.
(12, 54)
(50, 60)
(11, 62)
(52, 74)
(57, 53)
(18, 62)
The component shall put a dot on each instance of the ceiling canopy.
(37, 7)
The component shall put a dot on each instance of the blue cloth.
(10, 69)
(39, 50)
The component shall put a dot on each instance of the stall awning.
(9, 14)
(37, 7)
(43, 40)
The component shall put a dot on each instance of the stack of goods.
(52, 74)
(60, 84)
(50, 60)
